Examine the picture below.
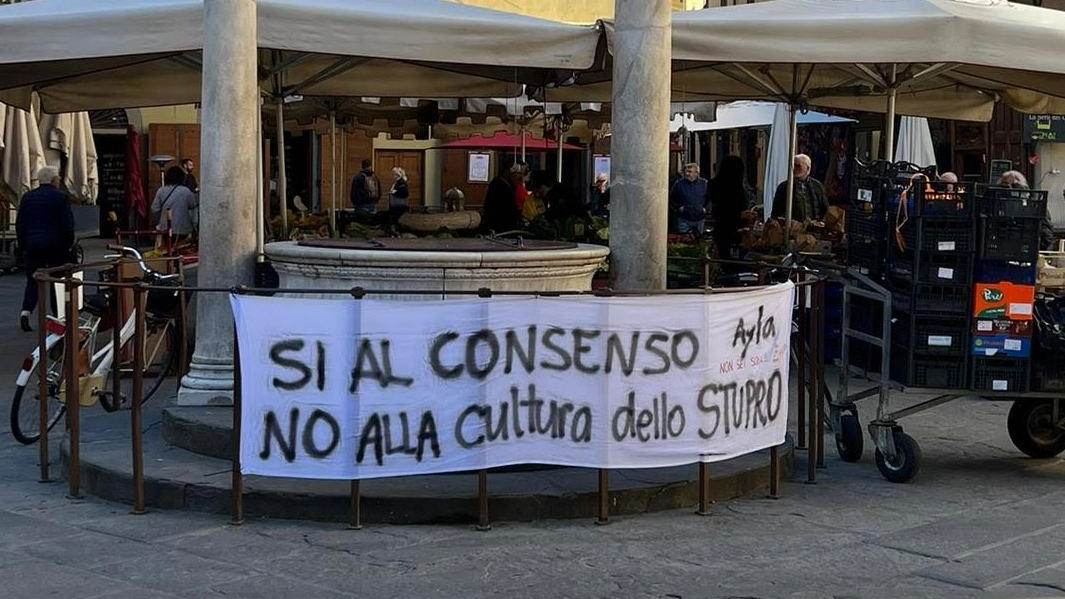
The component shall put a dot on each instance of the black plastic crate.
(866, 253)
(932, 335)
(941, 199)
(1010, 202)
(1009, 239)
(945, 268)
(866, 316)
(997, 271)
(939, 372)
(922, 298)
(1001, 374)
(939, 235)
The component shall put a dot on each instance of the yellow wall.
(584, 11)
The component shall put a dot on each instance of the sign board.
(997, 168)
(1044, 127)
(479, 167)
(600, 164)
(355, 389)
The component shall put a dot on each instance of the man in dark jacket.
(365, 189)
(808, 201)
(190, 179)
(45, 230)
(687, 201)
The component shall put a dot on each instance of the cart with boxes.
(940, 295)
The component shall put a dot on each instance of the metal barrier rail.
(809, 283)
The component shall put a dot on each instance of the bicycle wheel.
(25, 414)
(160, 349)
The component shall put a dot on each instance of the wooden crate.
(1051, 273)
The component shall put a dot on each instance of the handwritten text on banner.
(346, 389)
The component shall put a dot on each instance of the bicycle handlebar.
(139, 259)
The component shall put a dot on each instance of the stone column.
(639, 148)
(228, 160)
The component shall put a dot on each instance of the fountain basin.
(435, 264)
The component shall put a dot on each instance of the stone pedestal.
(640, 145)
(228, 146)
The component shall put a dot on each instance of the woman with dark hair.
(173, 204)
(730, 196)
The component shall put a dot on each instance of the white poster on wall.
(479, 167)
(346, 389)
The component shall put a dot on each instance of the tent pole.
(793, 149)
(333, 171)
(889, 124)
(282, 178)
(559, 169)
(260, 226)
(523, 161)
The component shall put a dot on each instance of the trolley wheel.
(1033, 430)
(850, 442)
(907, 462)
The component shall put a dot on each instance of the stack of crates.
(930, 273)
(1009, 222)
(867, 218)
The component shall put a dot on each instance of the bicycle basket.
(163, 302)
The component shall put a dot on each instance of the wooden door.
(410, 161)
(177, 140)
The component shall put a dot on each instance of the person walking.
(365, 189)
(398, 198)
(173, 205)
(44, 228)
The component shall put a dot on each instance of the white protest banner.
(356, 389)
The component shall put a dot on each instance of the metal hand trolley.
(1036, 422)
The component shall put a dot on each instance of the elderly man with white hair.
(45, 230)
(809, 201)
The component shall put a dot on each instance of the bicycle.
(95, 359)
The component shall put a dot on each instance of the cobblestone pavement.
(980, 521)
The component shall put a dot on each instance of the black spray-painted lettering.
(488, 339)
(762, 330)
(376, 433)
(277, 356)
(287, 444)
(554, 418)
(650, 345)
(579, 348)
(367, 365)
(564, 360)
(526, 355)
(745, 405)
(631, 422)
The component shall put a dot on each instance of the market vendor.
(687, 201)
(809, 201)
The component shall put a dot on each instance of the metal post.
(704, 489)
(817, 427)
(815, 384)
(800, 358)
(70, 293)
(482, 501)
(558, 132)
(889, 118)
(793, 149)
(333, 173)
(604, 497)
(774, 472)
(116, 343)
(237, 481)
(43, 291)
(180, 327)
(282, 180)
(135, 399)
(355, 507)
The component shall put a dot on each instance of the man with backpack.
(365, 189)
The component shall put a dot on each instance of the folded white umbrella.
(22, 155)
(915, 142)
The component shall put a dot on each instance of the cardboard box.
(1002, 346)
(996, 301)
(1002, 326)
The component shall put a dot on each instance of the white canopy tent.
(68, 142)
(748, 113)
(123, 53)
